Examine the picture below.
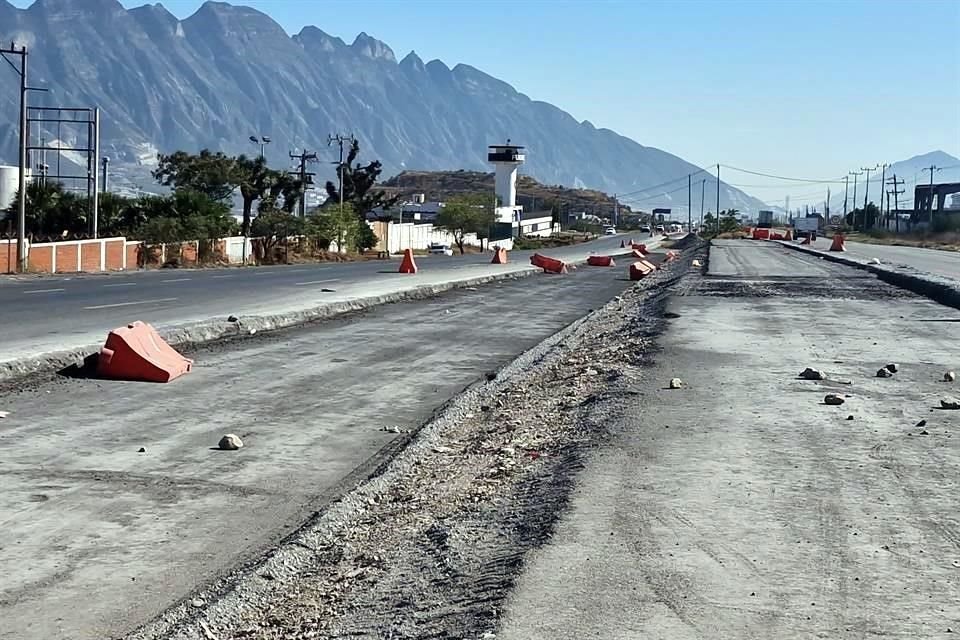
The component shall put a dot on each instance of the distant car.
(645, 229)
(440, 250)
(660, 228)
(610, 231)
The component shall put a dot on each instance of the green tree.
(272, 227)
(729, 222)
(256, 180)
(209, 173)
(336, 225)
(359, 181)
(464, 215)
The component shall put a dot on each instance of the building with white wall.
(9, 182)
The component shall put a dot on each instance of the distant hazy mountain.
(229, 72)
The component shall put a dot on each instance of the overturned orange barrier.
(499, 256)
(408, 265)
(601, 261)
(761, 234)
(641, 268)
(550, 265)
(806, 239)
(137, 352)
(671, 256)
(639, 255)
(642, 248)
(788, 235)
(838, 243)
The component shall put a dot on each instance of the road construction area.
(116, 503)
(51, 314)
(937, 262)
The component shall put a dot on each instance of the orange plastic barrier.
(640, 268)
(499, 256)
(407, 265)
(806, 239)
(137, 352)
(622, 245)
(642, 248)
(788, 234)
(672, 255)
(761, 234)
(639, 255)
(550, 265)
(837, 244)
(601, 261)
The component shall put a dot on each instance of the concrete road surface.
(941, 263)
(742, 506)
(99, 537)
(68, 312)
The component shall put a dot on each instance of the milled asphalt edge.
(939, 289)
(245, 587)
(217, 329)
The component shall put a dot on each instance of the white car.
(440, 250)
(610, 231)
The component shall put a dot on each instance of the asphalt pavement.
(115, 504)
(60, 313)
(742, 506)
(933, 261)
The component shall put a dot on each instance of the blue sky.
(796, 88)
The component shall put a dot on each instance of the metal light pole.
(866, 192)
(106, 168)
(854, 174)
(262, 141)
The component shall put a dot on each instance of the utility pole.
(866, 193)
(22, 175)
(896, 196)
(883, 180)
(931, 169)
(340, 139)
(855, 174)
(718, 198)
(305, 178)
(106, 166)
(846, 186)
(689, 203)
(703, 188)
(616, 211)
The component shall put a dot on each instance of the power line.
(770, 175)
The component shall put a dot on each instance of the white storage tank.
(9, 181)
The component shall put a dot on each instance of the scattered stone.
(141, 450)
(676, 383)
(849, 417)
(197, 602)
(924, 433)
(392, 429)
(833, 399)
(949, 404)
(892, 367)
(4, 414)
(813, 374)
(233, 319)
(491, 375)
(442, 449)
(874, 260)
(252, 331)
(470, 415)
(484, 408)
(230, 442)
(696, 263)
(591, 371)
(949, 376)
(922, 423)
(884, 373)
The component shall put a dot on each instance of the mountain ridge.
(227, 72)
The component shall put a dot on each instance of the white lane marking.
(121, 284)
(176, 280)
(293, 270)
(221, 276)
(303, 284)
(128, 304)
(44, 291)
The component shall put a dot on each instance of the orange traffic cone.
(837, 243)
(499, 256)
(622, 246)
(407, 265)
(788, 235)
(806, 239)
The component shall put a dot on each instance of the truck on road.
(765, 220)
(803, 226)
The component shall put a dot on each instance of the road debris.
(230, 442)
(676, 383)
(892, 367)
(4, 414)
(949, 376)
(233, 319)
(922, 423)
(833, 399)
(950, 404)
(884, 373)
(141, 450)
(812, 374)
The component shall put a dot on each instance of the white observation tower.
(507, 158)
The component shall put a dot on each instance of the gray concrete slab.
(932, 261)
(98, 538)
(743, 507)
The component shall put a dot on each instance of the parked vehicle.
(645, 229)
(440, 250)
(660, 229)
(610, 231)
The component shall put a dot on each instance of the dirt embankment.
(431, 547)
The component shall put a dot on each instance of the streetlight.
(263, 141)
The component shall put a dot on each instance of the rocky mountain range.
(228, 72)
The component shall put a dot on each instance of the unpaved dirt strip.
(741, 506)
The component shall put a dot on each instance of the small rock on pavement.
(197, 602)
(950, 404)
(676, 383)
(230, 442)
(922, 423)
(4, 414)
(949, 376)
(892, 367)
(849, 417)
(233, 319)
(696, 263)
(141, 450)
(833, 399)
(884, 373)
(813, 374)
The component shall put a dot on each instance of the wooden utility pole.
(896, 195)
(340, 139)
(305, 177)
